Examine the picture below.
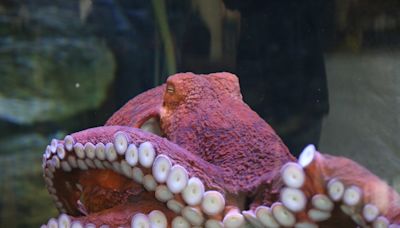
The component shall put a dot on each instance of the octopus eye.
(170, 89)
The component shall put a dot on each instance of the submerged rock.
(52, 78)
(24, 202)
(52, 66)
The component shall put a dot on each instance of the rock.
(51, 65)
(24, 19)
(30, 143)
(24, 199)
(52, 78)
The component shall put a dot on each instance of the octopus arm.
(108, 175)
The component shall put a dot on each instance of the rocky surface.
(53, 70)
(52, 78)
(24, 202)
(51, 65)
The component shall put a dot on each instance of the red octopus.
(191, 153)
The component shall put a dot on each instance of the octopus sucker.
(293, 199)
(322, 202)
(335, 189)
(193, 192)
(352, 196)
(370, 212)
(180, 222)
(177, 179)
(251, 217)
(264, 215)
(233, 218)
(293, 175)
(191, 153)
(140, 220)
(194, 215)
(146, 154)
(161, 167)
(158, 219)
(213, 203)
(175, 205)
(163, 194)
(149, 183)
(282, 215)
(316, 215)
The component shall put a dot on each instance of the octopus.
(191, 153)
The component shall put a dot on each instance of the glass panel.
(319, 72)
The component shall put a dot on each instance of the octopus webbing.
(191, 153)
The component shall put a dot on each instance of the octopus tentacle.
(316, 190)
(360, 194)
(328, 191)
(134, 172)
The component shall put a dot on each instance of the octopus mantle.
(191, 153)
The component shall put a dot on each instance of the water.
(318, 73)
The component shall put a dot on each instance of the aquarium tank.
(199, 113)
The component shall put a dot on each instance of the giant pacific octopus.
(191, 153)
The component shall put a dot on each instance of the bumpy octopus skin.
(191, 153)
